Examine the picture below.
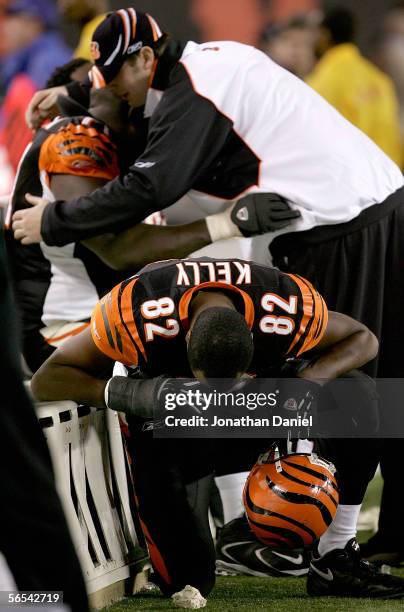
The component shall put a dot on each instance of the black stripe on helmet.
(312, 472)
(258, 510)
(294, 538)
(299, 498)
(308, 484)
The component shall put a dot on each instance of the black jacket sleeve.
(186, 133)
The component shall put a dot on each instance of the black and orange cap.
(121, 34)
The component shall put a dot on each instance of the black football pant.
(172, 480)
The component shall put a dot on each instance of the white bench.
(91, 469)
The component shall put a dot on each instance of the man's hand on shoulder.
(43, 106)
(27, 223)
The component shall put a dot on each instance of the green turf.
(373, 493)
(271, 594)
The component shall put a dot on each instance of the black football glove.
(146, 398)
(258, 213)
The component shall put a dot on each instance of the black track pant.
(391, 509)
(358, 268)
(172, 480)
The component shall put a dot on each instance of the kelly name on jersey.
(143, 321)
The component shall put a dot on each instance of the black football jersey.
(143, 321)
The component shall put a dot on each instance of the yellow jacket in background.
(83, 47)
(362, 93)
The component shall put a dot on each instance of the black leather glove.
(258, 213)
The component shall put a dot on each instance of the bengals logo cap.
(121, 34)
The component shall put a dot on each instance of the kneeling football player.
(215, 319)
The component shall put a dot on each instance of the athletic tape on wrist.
(220, 226)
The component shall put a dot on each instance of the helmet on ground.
(290, 500)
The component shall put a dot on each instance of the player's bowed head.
(219, 346)
(219, 341)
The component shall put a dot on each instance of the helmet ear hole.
(290, 501)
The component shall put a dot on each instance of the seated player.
(30, 269)
(57, 287)
(215, 318)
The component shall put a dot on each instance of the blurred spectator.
(3, 5)
(283, 10)
(239, 20)
(242, 20)
(88, 14)
(34, 49)
(394, 19)
(389, 54)
(32, 44)
(353, 85)
(291, 45)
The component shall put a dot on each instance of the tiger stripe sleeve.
(111, 333)
(314, 318)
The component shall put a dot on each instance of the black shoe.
(238, 552)
(343, 573)
(380, 550)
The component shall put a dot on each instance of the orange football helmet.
(290, 500)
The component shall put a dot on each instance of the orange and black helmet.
(290, 501)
